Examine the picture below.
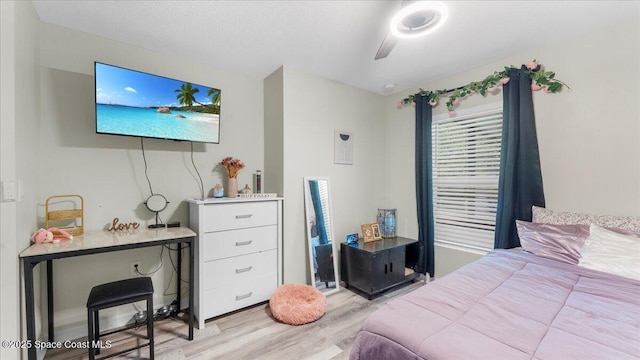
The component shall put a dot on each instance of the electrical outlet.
(136, 264)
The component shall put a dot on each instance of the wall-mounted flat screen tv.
(135, 103)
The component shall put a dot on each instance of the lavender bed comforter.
(509, 305)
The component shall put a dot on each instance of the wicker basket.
(71, 220)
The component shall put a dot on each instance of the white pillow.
(611, 252)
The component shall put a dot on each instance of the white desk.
(95, 243)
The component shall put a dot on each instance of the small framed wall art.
(343, 147)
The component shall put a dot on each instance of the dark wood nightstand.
(376, 266)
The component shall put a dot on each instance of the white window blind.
(466, 165)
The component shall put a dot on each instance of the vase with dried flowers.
(232, 166)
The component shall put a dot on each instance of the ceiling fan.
(414, 19)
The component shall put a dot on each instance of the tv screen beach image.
(134, 103)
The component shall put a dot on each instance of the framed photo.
(352, 239)
(371, 232)
(377, 235)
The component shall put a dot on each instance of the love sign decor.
(120, 227)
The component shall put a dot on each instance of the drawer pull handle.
(239, 271)
(242, 297)
(244, 216)
(243, 243)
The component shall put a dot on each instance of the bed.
(516, 304)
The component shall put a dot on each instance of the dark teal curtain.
(424, 185)
(520, 179)
(314, 189)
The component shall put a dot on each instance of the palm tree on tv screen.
(186, 94)
(215, 99)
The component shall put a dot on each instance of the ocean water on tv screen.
(148, 122)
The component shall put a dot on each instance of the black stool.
(114, 294)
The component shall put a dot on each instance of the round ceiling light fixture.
(419, 19)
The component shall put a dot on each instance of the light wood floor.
(254, 334)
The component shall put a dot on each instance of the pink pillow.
(557, 242)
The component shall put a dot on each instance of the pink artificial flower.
(536, 87)
(505, 80)
(456, 101)
(452, 113)
(413, 104)
(400, 104)
(547, 90)
(532, 65)
(433, 102)
(492, 89)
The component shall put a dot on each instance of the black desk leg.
(29, 307)
(50, 298)
(179, 276)
(191, 287)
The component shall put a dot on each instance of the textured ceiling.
(335, 39)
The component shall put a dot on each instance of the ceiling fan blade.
(387, 45)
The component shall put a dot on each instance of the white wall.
(313, 108)
(108, 171)
(588, 137)
(19, 144)
(274, 132)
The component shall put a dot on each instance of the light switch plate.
(8, 191)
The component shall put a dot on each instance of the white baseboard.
(72, 332)
(79, 330)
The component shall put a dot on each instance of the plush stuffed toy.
(59, 234)
(41, 236)
(52, 234)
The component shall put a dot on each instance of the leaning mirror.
(322, 260)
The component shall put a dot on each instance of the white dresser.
(238, 253)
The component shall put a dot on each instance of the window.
(466, 165)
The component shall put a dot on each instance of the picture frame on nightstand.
(371, 232)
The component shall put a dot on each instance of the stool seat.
(114, 294)
(119, 292)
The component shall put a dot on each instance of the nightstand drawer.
(218, 217)
(228, 298)
(226, 244)
(226, 272)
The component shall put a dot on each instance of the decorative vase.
(232, 188)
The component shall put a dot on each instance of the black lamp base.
(156, 226)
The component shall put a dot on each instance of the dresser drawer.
(218, 217)
(226, 272)
(226, 244)
(229, 298)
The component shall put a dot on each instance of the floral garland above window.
(541, 80)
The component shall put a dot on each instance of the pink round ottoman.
(297, 304)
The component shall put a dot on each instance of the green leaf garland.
(541, 80)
